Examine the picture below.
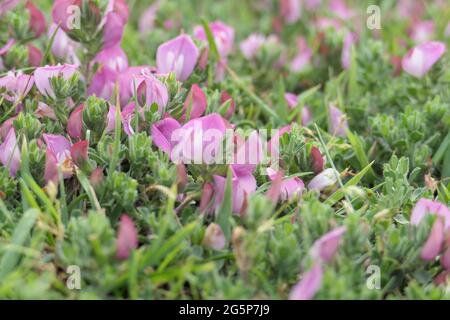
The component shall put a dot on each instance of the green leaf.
(225, 211)
(210, 38)
(359, 152)
(20, 235)
(339, 194)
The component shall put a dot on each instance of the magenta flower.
(10, 153)
(151, 90)
(116, 17)
(195, 103)
(43, 76)
(426, 206)
(251, 46)
(34, 56)
(79, 153)
(103, 83)
(420, 59)
(16, 85)
(223, 36)
(346, 58)
(178, 55)
(162, 133)
(323, 180)
(75, 122)
(422, 31)
(214, 237)
(338, 122)
(38, 24)
(290, 188)
(303, 57)
(291, 10)
(127, 238)
(308, 286)
(318, 160)
(325, 247)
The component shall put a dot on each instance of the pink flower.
(127, 81)
(7, 5)
(323, 180)
(426, 206)
(207, 195)
(312, 4)
(290, 188)
(178, 55)
(195, 102)
(79, 152)
(422, 31)
(151, 90)
(420, 59)
(214, 237)
(303, 57)
(318, 161)
(37, 19)
(43, 76)
(116, 17)
(338, 122)
(16, 85)
(61, 13)
(291, 10)
(113, 58)
(63, 47)
(433, 245)
(223, 36)
(346, 58)
(44, 111)
(103, 83)
(34, 56)
(10, 153)
(224, 97)
(162, 133)
(75, 122)
(341, 10)
(292, 101)
(147, 20)
(308, 286)
(250, 46)
(127, 238)
(325, 247)
(58, 154)
(243, 185)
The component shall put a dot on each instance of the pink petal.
(326, 247)
(162, 133)
(214, 237)
(426, 206)
(420, 59)
(75, 123)
(196, 102)
(10, 153)
(127, 239)
(308, 286)
(434, 242)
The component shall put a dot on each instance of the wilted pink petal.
(178, 55)
(75, 122)
(195, 102)
(214, 237)
(43, 76)
(162, 133)
(441, 278)
(10, 153)
(290, 10)
(433, 245)
(308, 286)
(44, 111)
(326, 246)
(34, 56)
(422, 31)
(150, 90)
(426, 206)
(207, 194)
(317, 160)
(79, 152)
(323, 180)
(346, 57)
(127, 239)
(420, 59)
(37, 19)
(250, 46)
(338, 122)
(223, 36)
